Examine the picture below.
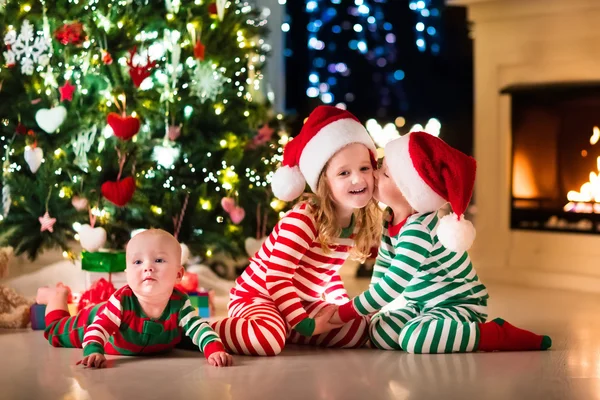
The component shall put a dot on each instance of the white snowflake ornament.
(27, 48)
(207, 82)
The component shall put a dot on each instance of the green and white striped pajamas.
(446, 300)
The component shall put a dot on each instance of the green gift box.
(99, 261)
(199, 299)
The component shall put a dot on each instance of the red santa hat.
(326, 131)
(430, 173)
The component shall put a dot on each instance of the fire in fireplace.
(555, 157)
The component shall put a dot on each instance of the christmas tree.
(118, 115)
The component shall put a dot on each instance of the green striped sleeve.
(195, 327)
(385, 254)
(412, 249)
(382, 263)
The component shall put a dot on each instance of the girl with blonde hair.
(292, 286)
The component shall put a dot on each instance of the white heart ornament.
(91, 239)
(33, 158)
(51, 119)
(80, 203)
(253, 245)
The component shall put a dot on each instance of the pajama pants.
(256, 327)
(443, 329)
(64, 330)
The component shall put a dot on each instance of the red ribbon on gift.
(100, 291)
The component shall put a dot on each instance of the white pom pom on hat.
(288, 183)
(431, 173)
(326, 131)
(456, 233)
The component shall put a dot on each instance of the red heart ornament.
(123, 128)
(120, 192)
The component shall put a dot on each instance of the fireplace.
(537, 69)
(555, 157)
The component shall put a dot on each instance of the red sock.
(499, 335)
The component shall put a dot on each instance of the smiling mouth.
(358, 191)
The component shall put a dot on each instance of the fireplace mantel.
(526, 42)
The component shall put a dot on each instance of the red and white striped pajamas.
(289, 280)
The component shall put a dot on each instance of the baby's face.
(153, 263)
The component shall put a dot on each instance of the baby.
(148, 315)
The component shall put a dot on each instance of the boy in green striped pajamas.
(424, 258)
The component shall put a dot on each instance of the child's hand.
(94, 360)
(323, 320)
(335, 318)
(220, 359)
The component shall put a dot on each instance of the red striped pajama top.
(291, 266)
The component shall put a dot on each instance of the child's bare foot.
(45, 294)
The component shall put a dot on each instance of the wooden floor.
(31, 369)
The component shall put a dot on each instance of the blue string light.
(428, 17)
(371, 36)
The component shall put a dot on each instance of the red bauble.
(123, 128)
(189, 283)
(120, 192)
(199, 50)
(70, 33)
(21, 129)
(106, 58)
(212, 9)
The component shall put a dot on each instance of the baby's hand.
(220, 359)
(94, 360)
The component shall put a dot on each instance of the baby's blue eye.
(343, 173)
(159, 260)
(365, 169)
(137, 262)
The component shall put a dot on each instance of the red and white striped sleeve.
(335, 292)
(105, 324)
(295, 236)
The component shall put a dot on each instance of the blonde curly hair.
(367, 221)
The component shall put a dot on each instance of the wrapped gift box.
(203, 301)
(100, 263)
(103, 261)
(38, 314)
